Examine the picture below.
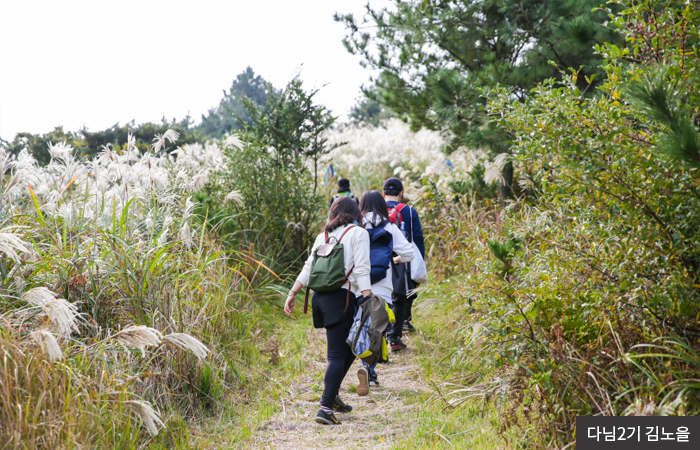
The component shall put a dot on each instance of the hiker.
(394, 246)
(343, 191)
(334, 310)
(408, 221)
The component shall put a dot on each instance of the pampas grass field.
(117, 304)
(124, 317)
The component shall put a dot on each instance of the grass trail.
(406, 411)
(377, 421)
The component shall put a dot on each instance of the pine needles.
(659, 98)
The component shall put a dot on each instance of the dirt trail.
(377, 421)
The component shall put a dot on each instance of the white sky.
(94, 63)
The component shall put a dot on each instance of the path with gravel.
(377, 421)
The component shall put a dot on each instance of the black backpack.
(381, 245)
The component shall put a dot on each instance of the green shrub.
(267, 194)
(597, 311)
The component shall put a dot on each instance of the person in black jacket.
(343, 191)
(411, 227)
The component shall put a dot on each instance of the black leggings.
(340, 359)
(402, 312)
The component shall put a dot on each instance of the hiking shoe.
(363, 386)
(373, 381)
(397, 345)
(407, 326)
(340, 406)
(325, 418)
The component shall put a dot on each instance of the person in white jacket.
(375, 215)
(335, 310)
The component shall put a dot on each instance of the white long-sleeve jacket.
(355, 252)
(402, 248)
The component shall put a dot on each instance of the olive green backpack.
(328, 269)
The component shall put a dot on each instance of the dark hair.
(373, 202)
(392, 192)
(343, 212)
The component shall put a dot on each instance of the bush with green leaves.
(267, 193)
(597, 311)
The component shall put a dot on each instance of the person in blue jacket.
(411, 227)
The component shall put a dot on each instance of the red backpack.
(395, 214)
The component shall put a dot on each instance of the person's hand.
(396, 260)
(289, 304)
(362, 300)
(366, 295)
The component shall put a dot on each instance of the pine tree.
(436, 57)
(231, 114)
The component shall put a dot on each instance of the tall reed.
(119, 313)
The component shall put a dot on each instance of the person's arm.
(360, 249)
(302, 279)
(289, 304)
(417, 231)
(401, 246)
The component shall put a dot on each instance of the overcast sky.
(94, 63)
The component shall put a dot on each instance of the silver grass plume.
(494, 172)
(5, 159)
(188, 210)
(48, 342)
(234, 197)
(146, 412)
(296, 227)
(525, 183)
(159, 140)
(163, 237)
(185, 235)
(233, 141)
(39, 296)
(62, 315)
(138, 336)
(18, 282)
(131, 142)
(61, 150)
(187, 342)
(11, 244)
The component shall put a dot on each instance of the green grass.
(472, 425)
(261, 395)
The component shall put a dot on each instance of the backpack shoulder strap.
(343, 235)
(347, 296)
